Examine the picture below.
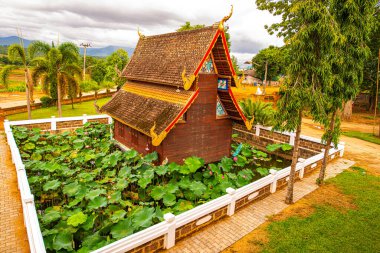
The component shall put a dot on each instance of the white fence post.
(302, 170)
(273, 185)
(84, 119)
(341, 153)
(292, 138)
(257, 130)
(53, 123)
(109, 120)
(169, 240)
(231, 206)
(7, 127)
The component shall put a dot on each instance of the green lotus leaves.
(143, 217)
(63, 241)
(149, 158)
(51, 216)
(198, 188)
(97, 203)
(125, 172)
(52, 185)
(143, 182)
(77, 219)
(194, 163)
(183, 205)
(169, 199)
(118, 215)
(29, 146)
(36, 156)
(226, 164)
(95, 193)
(161, 170)
(122, 229)
(262, 171)
(158, 192)
(71, 189)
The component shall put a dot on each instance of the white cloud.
(115, 22)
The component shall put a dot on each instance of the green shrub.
(47, 101)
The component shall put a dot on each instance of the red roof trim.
(236, 104)
(188, 104)
(207, 52)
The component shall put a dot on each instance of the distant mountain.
(92, 51)
(6, 41)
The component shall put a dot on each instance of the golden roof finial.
(139, 33)
(221, 23)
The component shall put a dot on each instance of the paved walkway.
(222, 234)
(13, 237)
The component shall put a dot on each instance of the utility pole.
(85, 46)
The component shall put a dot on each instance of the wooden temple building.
(177, 100)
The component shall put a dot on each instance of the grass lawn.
(79, 109)
(363, 136)
(331, 229)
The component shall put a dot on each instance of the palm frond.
(16, 52)
(4, 74)
(38, 48)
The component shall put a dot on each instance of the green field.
(79, 109)
(363, 136)
(331, 230)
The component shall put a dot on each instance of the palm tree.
(261, 112)
(57, 66)
(17, 52)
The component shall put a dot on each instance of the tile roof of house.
(142, 105)
(162, 58)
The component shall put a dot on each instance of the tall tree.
(355, 19)
(270, 63)
(16, 53)
(115, 63)
(311, 34)
(58, 64)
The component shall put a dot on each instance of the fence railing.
(167, 229)
(35, 239)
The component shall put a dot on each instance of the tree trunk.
(289, 194)
(30, 85)
(321, 177)
(72, 103)
(347, 110)
(59, 97)
(27, 94)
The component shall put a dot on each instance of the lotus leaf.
(151, 157)
(161, 170)
(194, 163)
(77, 219)
(29, 146)
(97, 203)
(125, 172)
(122, 229)
(89, 224)
(63, 240)
(52, 185)
(143, 182)
(262, 171)
(183, 205)
(169, 199)
(142, 218)
(118, 215)
(51, 216)
(95, 193)
(71, 189)
(158, 192)
(226, 164)
(198, 188)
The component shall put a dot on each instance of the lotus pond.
(88, 193)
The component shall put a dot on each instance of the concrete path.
(13, 237)
(222, 234)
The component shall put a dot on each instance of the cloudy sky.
(115, 22)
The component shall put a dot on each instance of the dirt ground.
(365, 154)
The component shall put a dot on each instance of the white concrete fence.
(168, 227)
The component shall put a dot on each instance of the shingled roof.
(142, 105)
(162, 58)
